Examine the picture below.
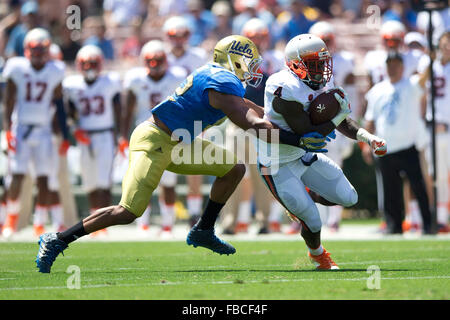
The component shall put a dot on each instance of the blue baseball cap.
(29, 7)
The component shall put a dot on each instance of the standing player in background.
(441, 72)
(343, 76)
(392, 34)
(54, 202)
(145, 88)
(94, 104)
(33, 86)
(238, 207)
(177, 31)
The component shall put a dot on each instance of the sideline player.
(178, 31)
(145, 88)
(441, 72)
(168, 140)
(94, 104)
(288, 96)
(33, 86)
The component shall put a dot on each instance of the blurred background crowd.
(120, 28)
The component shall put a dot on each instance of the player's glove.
(345, 107)
(313, 142)
(63, 147)
(377, 144)
(8, 141)
(123, 146)
(81, 136)
(331, 136)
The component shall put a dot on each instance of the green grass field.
(260, 270)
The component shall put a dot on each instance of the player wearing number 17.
(209, 95)
(33, 87)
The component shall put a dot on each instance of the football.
(324, 107)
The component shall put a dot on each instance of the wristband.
(364, 136)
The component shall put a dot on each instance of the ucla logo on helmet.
(243, 50)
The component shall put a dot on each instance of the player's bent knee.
(352, 198)
(122, 215)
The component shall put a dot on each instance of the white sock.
(167, 214)
(414, 213)
(276, 210)
(13, 207)
(2, 213)
(334, 215)
(244, 212)
(442, 214)
(144, 220)
(40, 215)
(316, 252)
(194, 205)
(57, 214)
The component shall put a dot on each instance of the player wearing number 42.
(289, 95)
(209, 95)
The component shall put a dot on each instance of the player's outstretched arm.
(246, 117)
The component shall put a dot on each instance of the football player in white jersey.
(343, 67)
(94, 103)
(33, 87)
(288, 95)
(392, 34)
(145, 88)
(441, 74)
(177, 30)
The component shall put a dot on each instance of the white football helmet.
(153, 55)
(178, 30)
(55, 52)
(308, 57)
(37, 46)
(393, 33)
(256, 30)
(325, 31)
(89, 61)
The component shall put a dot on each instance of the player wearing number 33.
(94, 103)
(207, 97)
(288, 95)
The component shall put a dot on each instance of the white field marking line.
(222, 282)
(251, 266)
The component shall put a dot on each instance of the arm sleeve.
(62, 117)
(225, 82)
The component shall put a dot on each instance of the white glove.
(345, 107)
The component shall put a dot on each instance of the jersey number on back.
(185, 86)
(36, 94)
